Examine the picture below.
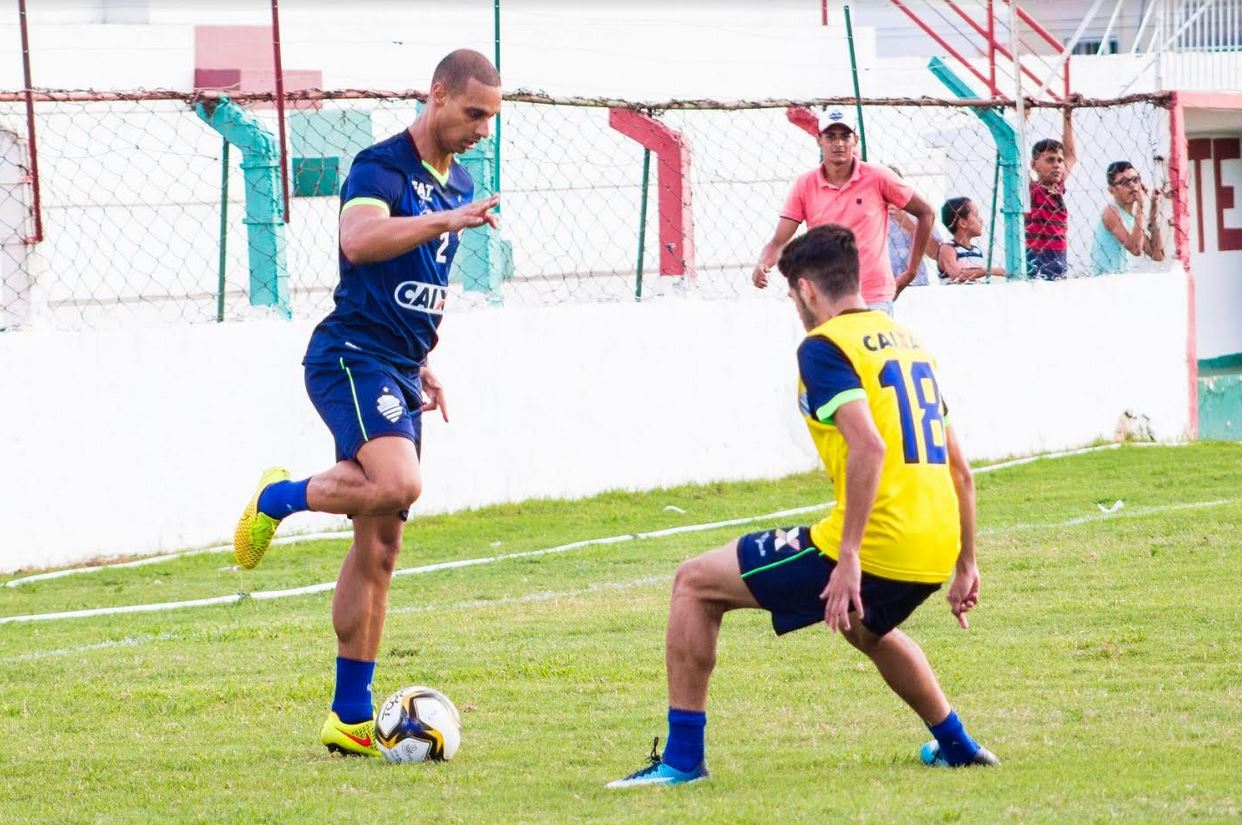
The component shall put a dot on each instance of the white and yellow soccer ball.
(418, 724)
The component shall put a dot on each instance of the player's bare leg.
(386, 475)
(704, 589)
(385, 479)
(905, 668)
(360, 602)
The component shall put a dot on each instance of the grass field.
(1104, 666)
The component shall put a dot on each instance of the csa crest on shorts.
(389, 406)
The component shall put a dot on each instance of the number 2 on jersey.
(441, 258)
(921, 376)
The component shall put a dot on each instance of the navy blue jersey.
(391, 309)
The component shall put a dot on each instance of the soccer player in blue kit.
(404, 206)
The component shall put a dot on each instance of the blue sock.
(352, 701)
(284, 498)
(956, 746)
(684, 748)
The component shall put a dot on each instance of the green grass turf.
(1103, 666)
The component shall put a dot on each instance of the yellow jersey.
(914, 533)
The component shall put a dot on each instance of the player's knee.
(385, 556)
(860, 637)
(691, 579)
(399, 494)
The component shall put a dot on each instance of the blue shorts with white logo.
(786, 572)
(361, 398)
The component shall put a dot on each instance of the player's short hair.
(460, 66)
(1046, 145)
(827, 256)
(954, 212)
(1116, 168)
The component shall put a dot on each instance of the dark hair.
(1046, 145)
(827, 256)
(460, 66)
(954, 211)
(1116, 168)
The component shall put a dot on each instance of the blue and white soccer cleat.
(929, 754)
(660, 773)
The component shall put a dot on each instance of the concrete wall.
(137, 440)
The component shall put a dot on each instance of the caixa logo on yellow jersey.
(421, 297)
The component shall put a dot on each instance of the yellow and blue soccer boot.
(349, 740)
(254, 529)
(659, 772)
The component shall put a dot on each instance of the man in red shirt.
(1048, 219)
(846, 191)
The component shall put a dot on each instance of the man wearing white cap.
(846, 191)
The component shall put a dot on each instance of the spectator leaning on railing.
(1047, 221)
(1121, 232)
(901, 234)
(961, 261)
(846, 191)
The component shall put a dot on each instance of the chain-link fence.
(147, 216)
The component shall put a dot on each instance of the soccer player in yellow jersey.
(903, 524)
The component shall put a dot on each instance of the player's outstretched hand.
(478, 213)
(433, 393)
(963, 593)
(843, 592)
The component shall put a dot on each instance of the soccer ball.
(416, 724)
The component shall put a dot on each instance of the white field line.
(470, 604)
(323, 587)
(128, 641)
(1119, 514)
(347, 534)
(264, 595)
(215, 548)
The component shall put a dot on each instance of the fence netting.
(136, 227)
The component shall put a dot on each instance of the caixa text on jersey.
(421, 297)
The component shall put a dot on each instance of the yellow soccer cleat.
(255, 530)
(349, 740)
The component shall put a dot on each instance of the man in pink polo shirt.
(844, 190)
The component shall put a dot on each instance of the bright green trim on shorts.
(779, 563)
(352, 202)
(435, 173)
(824, 414)
(357, 407)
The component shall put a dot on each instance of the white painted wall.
(132, 441)
(1218, 272)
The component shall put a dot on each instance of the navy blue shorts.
(786, 573)
(360, 398)
(1046, 265)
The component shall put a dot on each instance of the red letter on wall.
(672, 153)
(1197, 151)
(1227, 240)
